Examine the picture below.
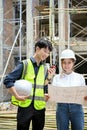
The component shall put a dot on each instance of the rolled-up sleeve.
(13, 76)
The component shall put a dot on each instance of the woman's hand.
(85, 98)
(46, 96)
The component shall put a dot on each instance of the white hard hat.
(23, 87)
(67, 53)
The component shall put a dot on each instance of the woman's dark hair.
(42, 43)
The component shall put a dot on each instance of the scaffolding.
(55, 20)
(78, 42)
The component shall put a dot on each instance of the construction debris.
(7, 106)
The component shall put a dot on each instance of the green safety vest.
(38, 92)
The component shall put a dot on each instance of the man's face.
(43, 53)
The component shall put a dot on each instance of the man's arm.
(11, 78)
(48, 78)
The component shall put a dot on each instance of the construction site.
(22, 24)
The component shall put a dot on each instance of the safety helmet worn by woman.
(67, 53)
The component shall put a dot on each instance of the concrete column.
(63, 28)
(51, 24)
(51, 20)
(29, 28)
(67, 24)
(36, 30)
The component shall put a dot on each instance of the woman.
(68, 112)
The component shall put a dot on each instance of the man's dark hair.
(42, 43)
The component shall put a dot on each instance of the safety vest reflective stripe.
(38, 86)
(37, 98)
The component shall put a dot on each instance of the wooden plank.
(8, 120)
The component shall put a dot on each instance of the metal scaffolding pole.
(20, 53)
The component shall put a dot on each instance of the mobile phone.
(53, 66)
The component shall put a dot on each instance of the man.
(33, 107)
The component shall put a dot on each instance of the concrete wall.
(7, 40)
(1, 36)
(8, 31)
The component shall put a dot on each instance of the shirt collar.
(62, 74)
(34, 61)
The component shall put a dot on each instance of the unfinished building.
(23, 22)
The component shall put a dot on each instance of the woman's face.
(67, 65)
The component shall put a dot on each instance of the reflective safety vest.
(37, 94)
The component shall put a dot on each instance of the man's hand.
(51, 72)
(21, 98)
(13, 91)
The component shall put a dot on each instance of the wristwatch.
(48, 79)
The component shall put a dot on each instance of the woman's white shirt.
(68, 80)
